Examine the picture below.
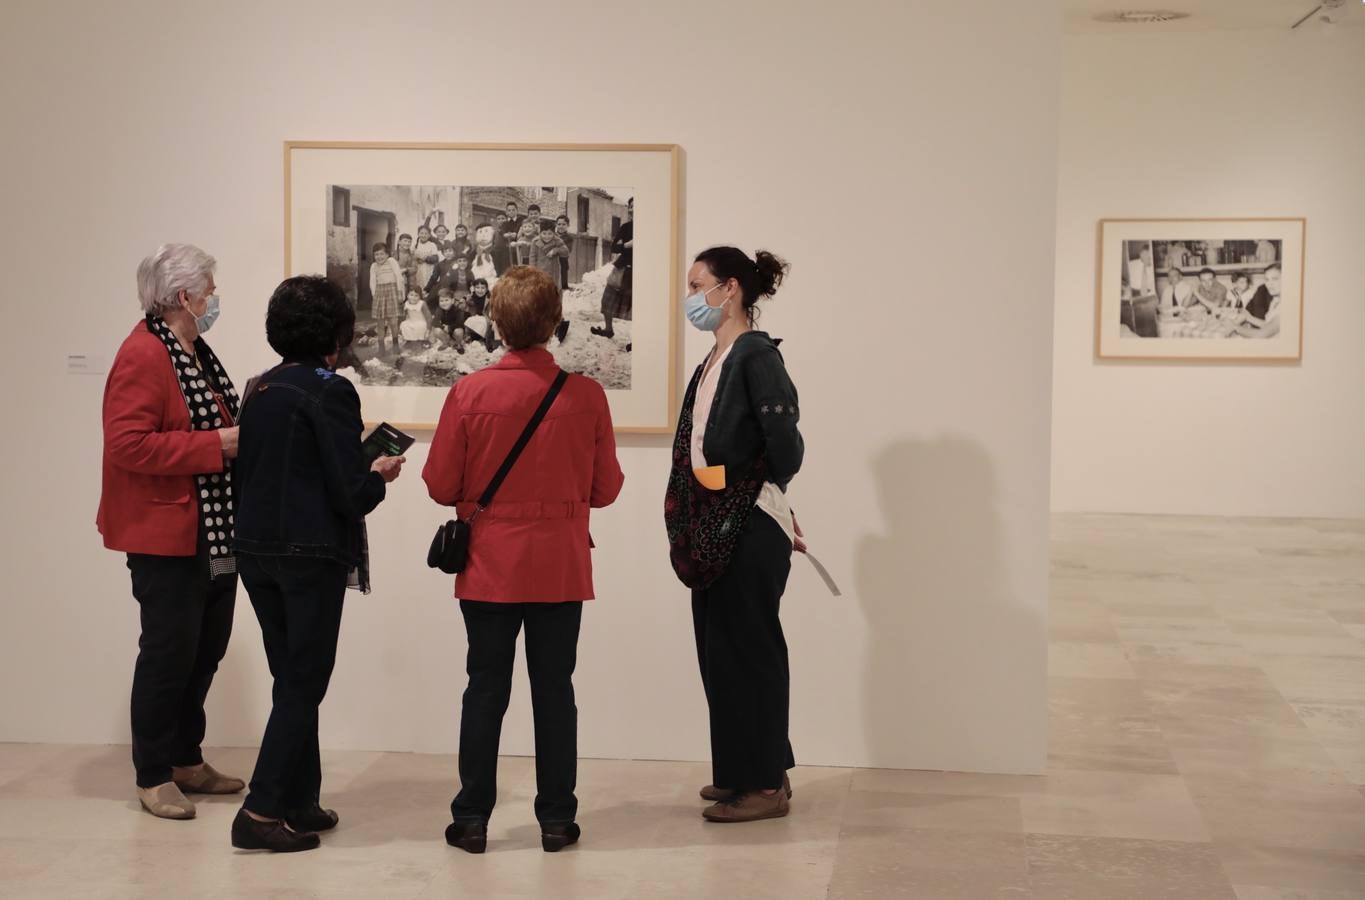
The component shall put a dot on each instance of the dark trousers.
(743, 658)
(298, 603)
(551, 654)
(186, 623)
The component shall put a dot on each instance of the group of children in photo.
(435, 291)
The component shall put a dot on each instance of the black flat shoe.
(602, 332)
(554, 838)
(562, 330)
(249, 834)
(315, 819)
(471, 837)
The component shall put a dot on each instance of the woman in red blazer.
(169, 437)
(529, 560)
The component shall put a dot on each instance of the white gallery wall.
(1219, 124)
(901, 155)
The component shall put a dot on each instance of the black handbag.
(450, 547)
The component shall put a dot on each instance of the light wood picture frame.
(342, 199)
(1200, 289)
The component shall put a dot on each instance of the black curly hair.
(309, 317)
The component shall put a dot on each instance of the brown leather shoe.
(275, 836)
(205, 779)
(749, 807)
(714, 794)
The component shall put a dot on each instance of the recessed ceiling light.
(1141, 16)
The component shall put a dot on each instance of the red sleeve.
(607, 477)
(134, 408)
(444, 471)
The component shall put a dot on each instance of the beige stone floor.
(1207, 699)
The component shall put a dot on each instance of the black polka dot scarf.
(212, 403)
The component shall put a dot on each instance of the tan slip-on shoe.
(166, 802)
(749, 807)
(205, 779)
(715, 794)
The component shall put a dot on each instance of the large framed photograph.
(1227, 290)
(419, 234)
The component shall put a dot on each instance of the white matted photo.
(418, 236)
(1200, 289)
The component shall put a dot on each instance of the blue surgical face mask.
(702, 314)
(205, 322)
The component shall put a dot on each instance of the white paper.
(824, 573)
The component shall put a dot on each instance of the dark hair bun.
(771, 271)
(758, 278)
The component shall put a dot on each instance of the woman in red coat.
(169, 437)
(529, 561)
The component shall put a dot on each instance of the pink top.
(701, 408)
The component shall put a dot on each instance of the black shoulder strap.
(525, 439)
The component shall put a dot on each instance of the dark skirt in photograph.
(388, 301)
(616, 298)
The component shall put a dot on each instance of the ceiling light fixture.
(1141, 16)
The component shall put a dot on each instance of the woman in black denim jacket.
(731, 530)
(304, 487)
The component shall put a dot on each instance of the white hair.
(171, 269)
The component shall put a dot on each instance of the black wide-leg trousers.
(743, 657)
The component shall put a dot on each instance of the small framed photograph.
(1224, 290)
(419, 234)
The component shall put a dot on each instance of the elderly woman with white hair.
(170, 437)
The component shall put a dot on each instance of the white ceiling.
(1205, 14)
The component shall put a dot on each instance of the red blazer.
(151, 456)
(531, 544)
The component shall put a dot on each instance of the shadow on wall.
(945, 639)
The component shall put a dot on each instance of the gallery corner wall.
(1221, 124)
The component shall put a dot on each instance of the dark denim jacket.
(301, 479)
(754, 413)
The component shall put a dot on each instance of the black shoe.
(471, 837)
(628, 348)
(562, 330)
(602, 332)
(554, 838)
(249, 834)
(315, 819)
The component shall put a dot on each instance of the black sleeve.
(353, 489)
(1260, 303)
(618, 242)
(777, 408)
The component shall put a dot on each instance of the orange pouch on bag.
(712, 477)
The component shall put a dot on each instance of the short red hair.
(526, 306)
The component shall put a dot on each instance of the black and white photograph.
(419, 262)
(418, 235)
(1212, 289)
(1196, 289)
